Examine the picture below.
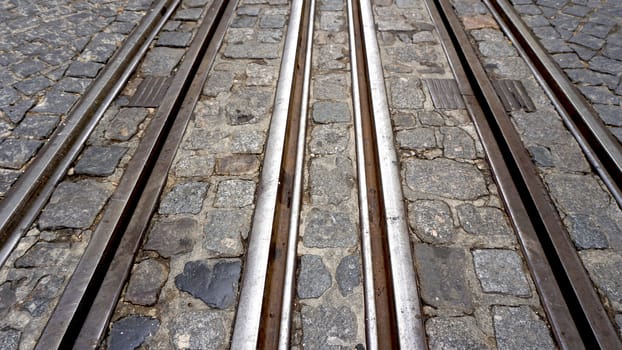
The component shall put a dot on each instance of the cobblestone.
(199, 330)
(172, 237)
(348, 274)
(326, 229)
(184, 198)
(455, 333)
(99, 161)
(431, 221)
(520, 328)
(235, 194)
(130, 332)
(313, 277)
(224, 231)
(437, 177)
(500, 271)
(145, 283)
(327, 327)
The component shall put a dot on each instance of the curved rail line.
(579, 318)
(85, 308)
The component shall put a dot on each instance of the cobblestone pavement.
(585, 39)
(474, 283)
(589, 212)
(37, 271)
(50, 52)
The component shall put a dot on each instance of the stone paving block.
(332, 21)
(416, 139)
(44, 254)
(431, 221)
(74, 205)
(330, 87)
(605, 270)
(216, 286)
(199, 330)
(455, 333)
(9, 338)
(7, 178)
(443, 284)
(483, 220)
(606, 65)
(234, 194)
(407, 93)
(588, 41)
(500, 271)
(194, 166)
(439, 177)
(7, 297)
(590, 77)
(131, 331)
(313, 277)
(99, 160)
(39, 299)
(590, 232)
(160, 61)
(184, 198)
(327, 139)
(125, 124)
(242, 21)
(74, 85)
(174, 39)
(577, 193)
(237, 164)
(14, 153)
(329, 229)
(458, 144)
(191, 14)
(252, 49)
(172, 237)
(146, 281)
(272, 21)
(217, 82)
(348, 274)
(248, 106)
(328, 327)
(520, 328)
(37, 126)
(55, 103)
(331, 179)
(251, 141)
(610, 114)
(84, 69)
(17, 111)
(34, 85)
(331, 112)
(224, 231)
(259, 75)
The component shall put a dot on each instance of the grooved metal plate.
(445, 93)
(150, 92)
(513, 95)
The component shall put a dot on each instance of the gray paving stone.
(584, 53)
(216, 286)
(331, 179)
(84, 69)
(619, 322)
(528, 9)
(234, 194)
(248, 141)
(252, 49)
(329, 229)
(39, 299)
(14, 153)
(331, 5)
(496, 49)
(458, 144)
(272, 21)
(125, 124)
(248, 106)
(613, 51)
(217, 82)
(172, 237)
(7, 297)
(194, 166)
(313, 277)
(596, 29)
(237, 164)
(520, 328)
(199, 330)
(589, 232)
(348, 274)
(416, 139)
(37, 126)
(606, 65)
(590, 77)
(99, 160)
(588, 41)
(224, 231)
(191, 14)
(331, 87)
(328, 139)
(242, 21)
(431, 221)
(500, 271)
(610, 114)
(269, 36)
(331, 56)
(160, 61)
(74, 205)
(577, 193)
(174, 39)
(440, 177)
(576, 10)
(455, 333)
(605, 270)
(568, 60)
(407, 93)
(332, 21)
(43, 254)
(147, 279)
(7, 178)
(28, 67)
(431, 118)
(443, 284)
(540, 127)
(184, 198)
(331, 112)
(74, 85)
(16, 112)
(259, 75)
(56, 103)
(10, 338)
(8, 96)
(249, 10)
(328, 327)
(130, 332)
(32, 86)
(483, 220)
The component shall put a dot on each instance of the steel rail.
(28, 195)
(407, 309)
(76, 299)
(592, 326)
(248, 317)
(294, 220)
(364, 220)
(603, 152)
